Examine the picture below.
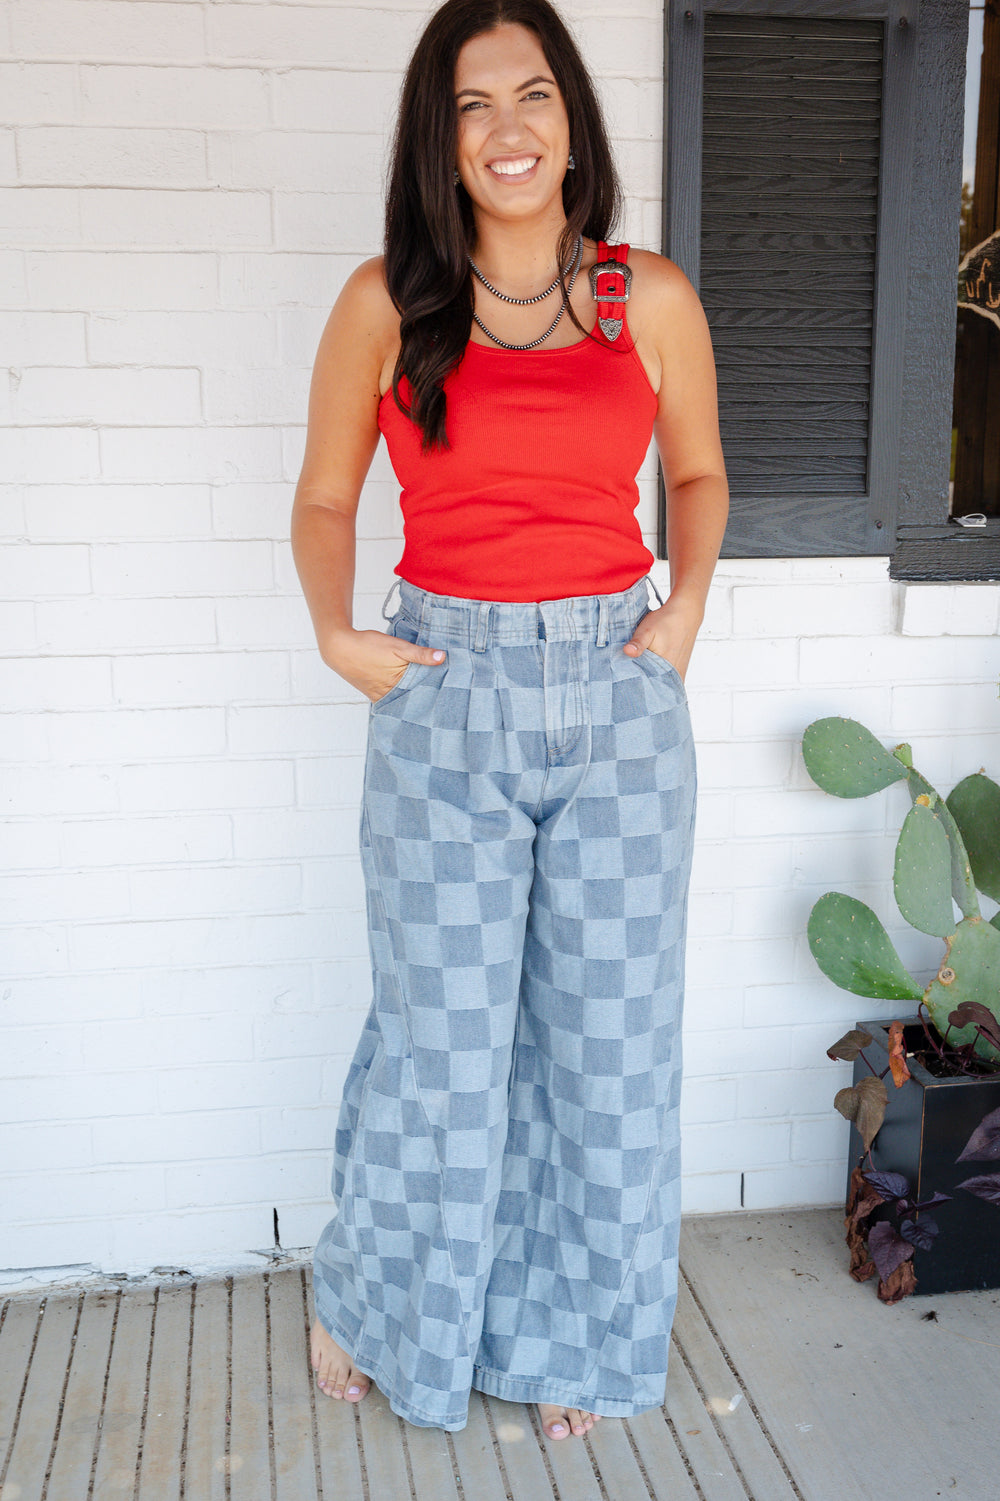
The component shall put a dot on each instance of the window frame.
(906, 506)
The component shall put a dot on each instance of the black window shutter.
(789, 206)
(787, 197)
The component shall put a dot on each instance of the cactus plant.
(948, 851)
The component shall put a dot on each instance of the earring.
(457, 177)
(571, 164)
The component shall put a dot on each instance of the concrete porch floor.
(787, 1380)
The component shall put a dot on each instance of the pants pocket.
(662, 671)
(402, 628)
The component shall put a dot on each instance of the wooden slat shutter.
(789, 205)
(783, 202)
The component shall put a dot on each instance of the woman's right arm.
(360, 336)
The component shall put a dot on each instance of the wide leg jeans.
(507, 1156)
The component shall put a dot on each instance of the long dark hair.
(429, 225)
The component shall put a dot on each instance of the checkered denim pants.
(507, 1154)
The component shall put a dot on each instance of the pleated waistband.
(478, 623)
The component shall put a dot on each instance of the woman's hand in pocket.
(373, 662)
(669, 632)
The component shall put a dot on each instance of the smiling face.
(513, 130)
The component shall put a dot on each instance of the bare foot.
(559, 1422)
(336, 1374)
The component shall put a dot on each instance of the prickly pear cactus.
(963, 884)
(970, 971)
(844, 758)
(853, 950)
(975, 807)
(922, 874)
(945, 850)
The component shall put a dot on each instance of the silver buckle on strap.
(611, 327)
(604, 268)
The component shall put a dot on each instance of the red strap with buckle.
(611, 285)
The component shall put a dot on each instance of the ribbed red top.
(536, 497)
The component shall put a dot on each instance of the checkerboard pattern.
(507, 1157)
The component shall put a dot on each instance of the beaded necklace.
(571, 271)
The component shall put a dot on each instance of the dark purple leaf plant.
(877, 1245)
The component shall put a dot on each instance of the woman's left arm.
(673, 334)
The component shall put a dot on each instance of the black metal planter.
(927, 1124)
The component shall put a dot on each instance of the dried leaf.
(887, 1248)
(861, 1265)
(848, 1102)
(897, 1055)
(902, 1282)
(862, 1268)
(986, 1187)
(974, 1014)
(862, 1201)
(873, 1099)
(849, 1046)
(865, 1104)
(889, 1185)
(984, 1143)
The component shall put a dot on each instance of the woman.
(507, 1155)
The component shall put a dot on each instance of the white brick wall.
(183, 190)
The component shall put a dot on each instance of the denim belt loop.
(603, 623)
(482, 626)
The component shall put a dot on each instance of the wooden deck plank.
(572, 1467)
(121, 1430)
(81, 1416)
(205, 1470)
(808, 1424)
(291, 1408)
(430, 1464)
(765, 1478)
(696, 1434)
(619, 1470)
(826, 1361)
(33, 1441)
(163, 1440)
(338, 1428)
(661, 1459)
(250, 1418)
(520, 1449)
(382, 1447)
(477, 1463)
(818, 1462)
(816, 1354)
(16, 1338)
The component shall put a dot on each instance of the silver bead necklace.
(523, 301)
(571, 271)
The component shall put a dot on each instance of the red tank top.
(535, 499)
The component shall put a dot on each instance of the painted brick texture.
(184, 188)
